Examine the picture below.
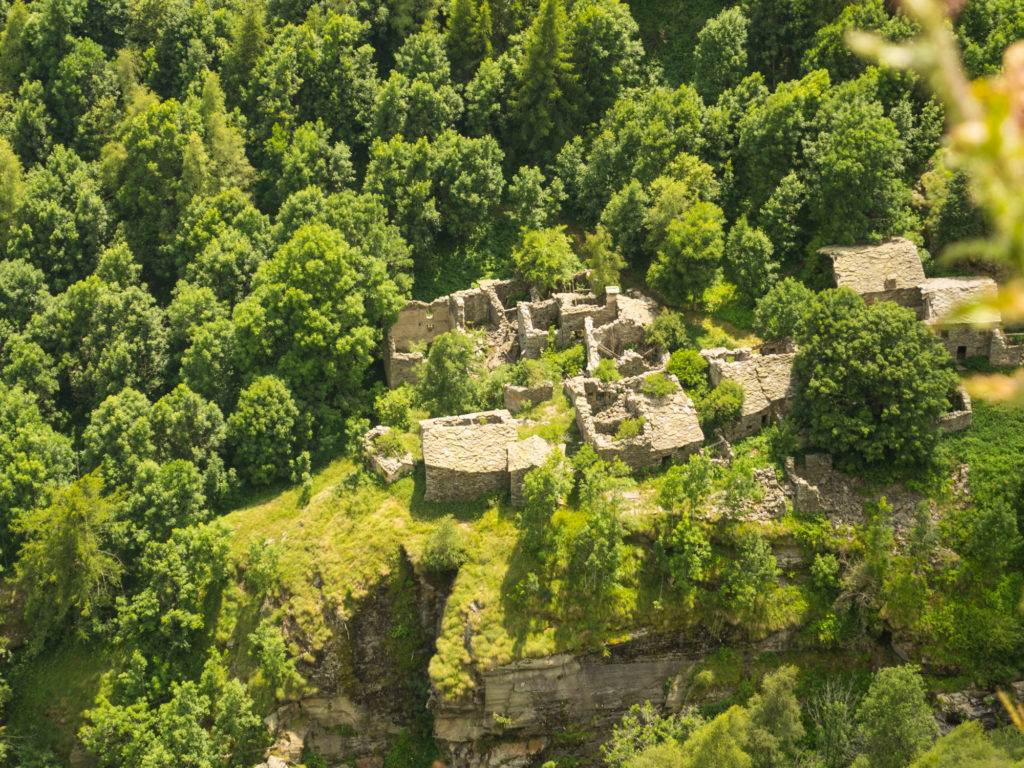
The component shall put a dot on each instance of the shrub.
(393, 407)
(721, 406)
(443, 551)
(629, 428)
(691, 369)
(658, 385)
(566, 362)
(388, 444)
(668, 331)
(825, 571)
(606, 371)
(545, 258)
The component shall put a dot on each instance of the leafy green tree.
(62, 223)
(34, 459)
(690, 255)
(31, 131)
(752, 574)
(775, 725)
(602, 259)
(778, 313)
(854, 363)
(665, 754)
(310, 317)
(781, 218)
(119, 436)
(683, 553)
(164, 497)
(187, 426)
(545, 258)
(855, 168)
(668, 331)
(543, 490)
(541, 106)
(720, 57)
(966, 746)
(828, 49)
(265, 431)
(23, 293)
(638, 138)
(534, 206)
(104, 338)
(605, 50)
(832, 713)
(85, 87)
(624, 218)
(894, 721)
(208, 362)
(643, 727)
(596, 549)
(451, 376)
(691, 369)
(305, 158)
(444, 552)
(14, 55)
(748, 260)
(64, 564)
(12, 185)
(248, 42)
(719, 742)
(166, 618)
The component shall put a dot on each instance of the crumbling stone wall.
(523, 457)
(1006, 351)
(766, 381)
(960, 417)
(517, 398)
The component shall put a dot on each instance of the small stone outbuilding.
(524, 456)
(767, 382)
(391, 465)
(668, 425)
(942, 296)
(467, 456)
(889, 271)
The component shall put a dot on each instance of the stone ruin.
(767, 382)
(892, 271)
(669, 426)
(490, 307)
(476, 453)
(467, 456)
(390, 466)
(610, 326)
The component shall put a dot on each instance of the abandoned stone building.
(892, 271)
(524, 456)
(608, 326)
(467, 456)
(489, 307)
(767, 382)
(668, 425)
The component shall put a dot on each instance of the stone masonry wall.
(456, 485)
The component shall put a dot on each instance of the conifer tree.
(540, 107)
(468, 38)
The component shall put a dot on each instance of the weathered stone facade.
(669, 425)
(876, 269)
(467, 456)
(767, 382)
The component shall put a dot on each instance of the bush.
(566, 362)
(545, 258)
(443, 551)
(825, 571)
(668, 331)
(658, 385)
(721, 406)
(388, 444)
(691, 369)
(629, 428)
(606, 370)
(393, 407)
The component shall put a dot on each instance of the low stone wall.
(390, 468)
(518, 398)
(911, 298)
(960, 417)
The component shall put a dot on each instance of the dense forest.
(211, 210)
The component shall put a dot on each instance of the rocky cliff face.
(565, 706)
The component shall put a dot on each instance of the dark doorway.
(961, 353)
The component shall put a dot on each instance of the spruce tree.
(540, 107)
